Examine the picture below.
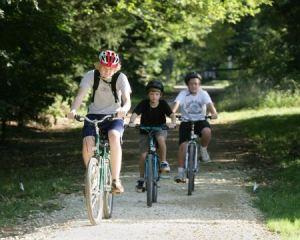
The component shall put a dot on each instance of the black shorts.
(185, 130)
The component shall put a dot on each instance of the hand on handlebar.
(171, 125)
(131, 124)
(121, 113)
(214, 116)
(71, 115)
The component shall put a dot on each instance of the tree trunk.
(3, 130)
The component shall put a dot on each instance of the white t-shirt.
(193, 107)
(104, 101)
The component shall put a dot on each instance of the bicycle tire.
(93, 192)
(108, 198)
(155, 177)
(190, 170)
(149, 179)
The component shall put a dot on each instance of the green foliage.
(59, 40)
(47, 163)
(272, 136)
(33, 66)
(267, 45)
(249, 94)
(280, 201)
(276, 137)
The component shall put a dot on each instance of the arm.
(175, 107)
(173, 118)
(212, 110)
(132, 119)
(122, 111)
(77, 102)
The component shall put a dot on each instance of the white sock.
(180, 170)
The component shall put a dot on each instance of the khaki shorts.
(144, 142)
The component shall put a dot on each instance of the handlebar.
(80, 118)
(151, 128)
(179, 117)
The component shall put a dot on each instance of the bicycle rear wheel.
(93, 192)
(108, 196)
(149, 179)
(190, 170)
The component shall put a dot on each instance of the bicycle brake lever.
(79, 118)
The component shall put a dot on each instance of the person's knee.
(206, 132)
(161, 141)
(88, 144)
(114, 137)
(143, 155)
(182, 146)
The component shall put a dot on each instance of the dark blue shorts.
(106, 126)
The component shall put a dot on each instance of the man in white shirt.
(105, 102)
(194, 103)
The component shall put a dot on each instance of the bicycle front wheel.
(190, 170)
(108, 196)
(149, 179)
(155, 164)
(93, 192)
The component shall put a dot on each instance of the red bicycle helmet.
(109, 58)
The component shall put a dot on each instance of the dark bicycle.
(98, 178)
(191, 163)
(152, 163)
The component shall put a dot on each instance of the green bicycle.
(98, 178)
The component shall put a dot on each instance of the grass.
(280, 201)
(46, 162)
(218, 83)
(247, 94)
(275, 133)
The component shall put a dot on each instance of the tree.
(45, 43)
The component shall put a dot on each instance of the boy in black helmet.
(153, 111)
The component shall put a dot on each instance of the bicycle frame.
(152, 151)
(101, 191)
(193, 140)
(191, 157)
(151, 171)
(102, 152)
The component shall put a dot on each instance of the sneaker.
(164, 167)
(180, 178)
(140, 185)
(204, 154)
(117, 187)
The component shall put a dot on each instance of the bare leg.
(142, 164)
(87, 149)
(181, 154)
(205, 136)
(162, 150)
(115, 153)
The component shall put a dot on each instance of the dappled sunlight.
(226, 117)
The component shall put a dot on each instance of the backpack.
(113, 84)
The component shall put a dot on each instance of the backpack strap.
(96, 82)
(113, 84)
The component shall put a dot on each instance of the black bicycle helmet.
(155, 84)
(192, 75)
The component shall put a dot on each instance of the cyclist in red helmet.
(106, 100)
(153, 111)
